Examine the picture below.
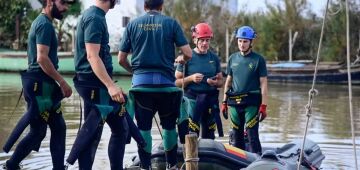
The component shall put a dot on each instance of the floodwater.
(329, 126)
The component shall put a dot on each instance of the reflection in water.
(329, 124)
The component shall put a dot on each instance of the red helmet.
(202, 30)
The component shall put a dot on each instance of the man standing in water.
(102, 98)
(245, 91)
(151, 39)
(202, 78)
(44, 88)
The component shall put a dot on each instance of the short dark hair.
(43, 3)
(153, 4)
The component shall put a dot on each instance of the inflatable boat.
(215, 155)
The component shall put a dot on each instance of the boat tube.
(215, 155)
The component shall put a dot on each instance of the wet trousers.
(43, 97)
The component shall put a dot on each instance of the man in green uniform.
(202, 78)
(102, 98)
(152, 38)
(44, 88)
(245, 91)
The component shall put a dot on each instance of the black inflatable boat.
(215, 155)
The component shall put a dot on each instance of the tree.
(273, 26)
(10, 10)
(21, 8)
(63, 29)
(189, 13)
(335, 41)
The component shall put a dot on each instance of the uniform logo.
(211, 62)
(251, 66)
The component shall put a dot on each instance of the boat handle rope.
(189, 160)
(350, 83)
(312, 90)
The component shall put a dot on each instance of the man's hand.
(224, 109)
(197, 77)
(180, 59)
(262, 112)
(65, 88)
(212, 81)
(116, 94)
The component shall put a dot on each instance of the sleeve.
(125, 42)
(180, 39)
(42, 34)
(262, 67)
(93, 31)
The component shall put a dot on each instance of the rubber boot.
(145, 159)
(171, 157)
(183, 129)
(8, 166)
(238, 139)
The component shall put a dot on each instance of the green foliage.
(187, 12)
(74, 9)
(273, 27)
(335, 42)
(64, 30)
(10, 10)
(21, 8)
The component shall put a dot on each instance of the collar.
(99, 10)
(153, 12)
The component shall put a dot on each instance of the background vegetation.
(21, 8)
(272, 26)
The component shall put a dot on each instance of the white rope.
(349, 81)
(182, 88)
(312, 91)
(189, 160)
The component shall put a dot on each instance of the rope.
(189, 160)
(312, 91)
(349, 81)
(182, 88)
(157, 124)
(17, 104)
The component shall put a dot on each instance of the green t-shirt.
(152, 38)
(92, 28)
(42, 32)
(246, 71)
(207, 64)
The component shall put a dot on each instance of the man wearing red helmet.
(245, 91)
(202, 78)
